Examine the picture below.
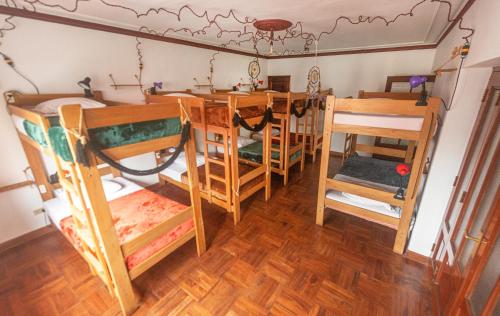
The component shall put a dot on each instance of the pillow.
(52, 106)
(110, 186)
(180, 94)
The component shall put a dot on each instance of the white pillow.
(366, 201)
(179, 94)
(110, 186)
(52, 106)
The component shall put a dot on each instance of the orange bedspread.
(135, 214)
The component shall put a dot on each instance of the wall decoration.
(254, 69)
(313, 80)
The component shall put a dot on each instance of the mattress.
(58, 207)
(371, 205)
(19, 124)
(179, 166)
(375, 171)
(133, 214)
(253, 152)
(218, 114)
(381, 121)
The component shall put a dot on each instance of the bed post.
(416, 174)
(103, 221)
(233, 135)
(286, 155)
(194, 187)
(266, 146)
(325, 157)
(304, 136)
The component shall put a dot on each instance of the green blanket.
(253, 152)
(35, 132)
(106, 137)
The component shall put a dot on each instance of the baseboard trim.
(15, 242)
(416, 257)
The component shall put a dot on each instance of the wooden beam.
(14, 186)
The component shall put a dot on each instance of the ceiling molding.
(359, 51)
(114, 29)
(123, 31)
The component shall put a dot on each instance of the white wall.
(458, 122)
(55, 57)
(347, 74)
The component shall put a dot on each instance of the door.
(468, 234)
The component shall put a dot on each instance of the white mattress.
(242, 142)
(179, 166)
(260, 135)
(408, 123)
(19, 124)
(359, 201)
(58, 208)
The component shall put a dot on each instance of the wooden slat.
(376, 131)
(14, 186)
(253, 100)
(252, 175)
(250, 191)
(220, 179)
(363, 213)
(216, 161)
(364, 191)
(27, 99)
(381, 150)
(125, 114)
(380, 106)
(165, 251)
(121, 152)
(214, 143)
(132, 246)
(67, 185)
(31, 116)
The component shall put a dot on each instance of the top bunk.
(382, 117)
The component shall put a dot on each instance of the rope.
(306, 106)
(82, 158)
(267, 118)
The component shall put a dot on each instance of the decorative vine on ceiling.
(246, 33)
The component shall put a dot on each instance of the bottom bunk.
(253, 152)
(135, 210)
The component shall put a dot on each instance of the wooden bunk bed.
(286, 151)
(226, 178)
(314, 122)
(108, 235)
(365, 187)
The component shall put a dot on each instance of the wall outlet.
(39, 211)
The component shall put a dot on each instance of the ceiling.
(229, 22)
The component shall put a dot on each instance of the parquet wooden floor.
(276, 262)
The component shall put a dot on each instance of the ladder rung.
(276, 125)
(216, 161)
(217, 178)
(276, 137)
(85, 237)
(211, 142)
(274, 160)
(67, 185)
(275, 149)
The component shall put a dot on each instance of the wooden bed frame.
(422, 137)
(221, 137)
(283, 122)
(106, 260)
(314, 136)
(98, 211)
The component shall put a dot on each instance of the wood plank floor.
(276, 262)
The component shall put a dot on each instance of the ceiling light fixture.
(272, 25)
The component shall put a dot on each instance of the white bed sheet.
(58, 208)
(176, 169)
(408, 123)
(359, 201)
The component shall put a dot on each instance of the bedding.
(410, 123)
(253, 152)
(58, 207)
(179, 166)
(372, 205)
(51, 107)
(218, 114)
(134, 214)
(373, 170)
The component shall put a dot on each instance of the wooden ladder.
(215, 159)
